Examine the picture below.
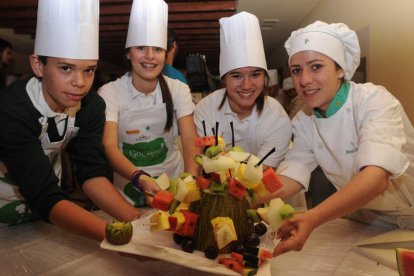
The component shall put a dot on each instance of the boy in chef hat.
(146, 110)
(53, 111)
(259, 121)
(357, 133)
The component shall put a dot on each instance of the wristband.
(135, 179)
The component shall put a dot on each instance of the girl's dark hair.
(167, 99)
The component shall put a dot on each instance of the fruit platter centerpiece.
(211, 213)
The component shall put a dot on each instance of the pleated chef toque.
(148, 24)
(68, 29)
(241, 43)
(334, 40)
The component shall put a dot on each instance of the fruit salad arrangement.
(211, 212)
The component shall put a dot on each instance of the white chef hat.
(68, 29)
(287, 84)
(272, 77)
(335, 40)
(148, 24)
(241, 43)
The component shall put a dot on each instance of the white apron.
(143, 141)
(335, 151)
(13, 210)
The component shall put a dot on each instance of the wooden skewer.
(149, 194)
(150, 224)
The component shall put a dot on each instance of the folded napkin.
(381, 248)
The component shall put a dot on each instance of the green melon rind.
(405, 261)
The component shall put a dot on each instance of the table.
(42, 249)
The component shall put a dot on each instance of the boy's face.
(65, 81)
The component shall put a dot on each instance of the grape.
(178, 239)
(252, 239)
(260, 229)
(188, 245)
(211, 252)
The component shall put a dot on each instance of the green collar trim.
(337, 102)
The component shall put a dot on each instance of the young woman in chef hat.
(56, 111)
(259, 121)
(146, 110)
(358, 134)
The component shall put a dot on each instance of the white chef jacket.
(371, 128)
(256, 134)
(121, 97)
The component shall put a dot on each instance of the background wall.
(386, 32)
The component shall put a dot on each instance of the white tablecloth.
(42, 249)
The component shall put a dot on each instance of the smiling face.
(64, 81)
(147, 63)
(244, 86)
(316, 77)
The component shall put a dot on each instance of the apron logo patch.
(146, 153)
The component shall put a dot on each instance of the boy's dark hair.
(43, 59)
(5, 44)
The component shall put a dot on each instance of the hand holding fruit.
(293, 234)
(149, 185)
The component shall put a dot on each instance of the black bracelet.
(135, 179)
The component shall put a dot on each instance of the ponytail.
(167, 99)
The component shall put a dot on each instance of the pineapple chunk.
(180, 219)
(224, 231)
(193, 193)
(159, 221)
(224, 236)
(182, 206)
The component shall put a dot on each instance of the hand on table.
(293, 234)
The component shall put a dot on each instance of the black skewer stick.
(204, 127)
(266, 156)
(217, 125)
(232, 134)
(214, 132)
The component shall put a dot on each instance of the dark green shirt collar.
(337, 102)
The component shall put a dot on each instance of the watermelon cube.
(236, 189)
(271, 180)
(203, 182)
(162, 200)
(189, 225)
